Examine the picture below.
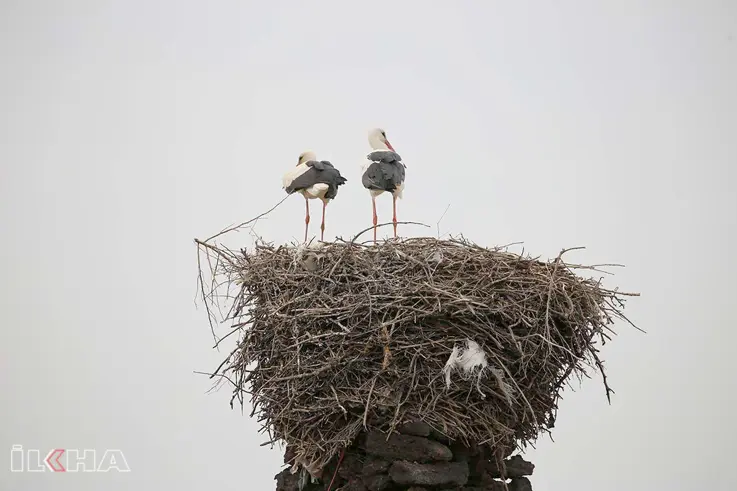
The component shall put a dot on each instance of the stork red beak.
(389, 145)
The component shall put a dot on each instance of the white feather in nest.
(298, 252)
(472, 360)
(467, 361)
(307, 254)
(436, 257)
(311, 469)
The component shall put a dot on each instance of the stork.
(314, 179)
(385, 173)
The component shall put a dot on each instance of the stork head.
(306, 157)
(377, 140)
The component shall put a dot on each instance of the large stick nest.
(345, 336)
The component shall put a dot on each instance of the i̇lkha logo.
(76, 461)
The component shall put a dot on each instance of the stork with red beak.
(384, 173)
(314, 179)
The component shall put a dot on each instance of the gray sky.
(128, 128)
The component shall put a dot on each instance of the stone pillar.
(415, 459)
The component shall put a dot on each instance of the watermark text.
(66, 460)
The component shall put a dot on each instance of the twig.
(368, 401)
(236, 227)
(437, 224)
(384, 224)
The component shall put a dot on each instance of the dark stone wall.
(415, 459)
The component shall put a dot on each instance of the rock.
(286, 481)
(518, 467)
(440, 437)
(379, 482)
(504, 449)
(487, 481)
(374, 466)
(520, 484)
(406, 447)
(351, 466)
(416, 428)
(495, 486)
(461, 453)
(439, 474)
(513, 467)
(352, 485)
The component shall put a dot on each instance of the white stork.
(315, 179)
(384, 173)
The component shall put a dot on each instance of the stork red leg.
(307, 216)
(376, 219)
(322, 225)
(394, 218)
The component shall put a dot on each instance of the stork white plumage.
(385, 173)
(314, 179)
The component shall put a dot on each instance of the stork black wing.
(307, 179)
(383, 176)
(319, 172)
(384, 156)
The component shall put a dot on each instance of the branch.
(383, 224)
(230, 229)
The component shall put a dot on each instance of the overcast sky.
(128, 127)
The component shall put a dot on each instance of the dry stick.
(223, 363)
(603, 376)
(338, 401)
(204, 295)
(383, 224)
(211, 375)
(199, 263)
(231, 229)
(236, 328)
(557, 261)
(437, 224)
(368, 401)
(301, 375)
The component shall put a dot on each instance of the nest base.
(415, 458)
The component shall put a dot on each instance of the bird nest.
(476, 342)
